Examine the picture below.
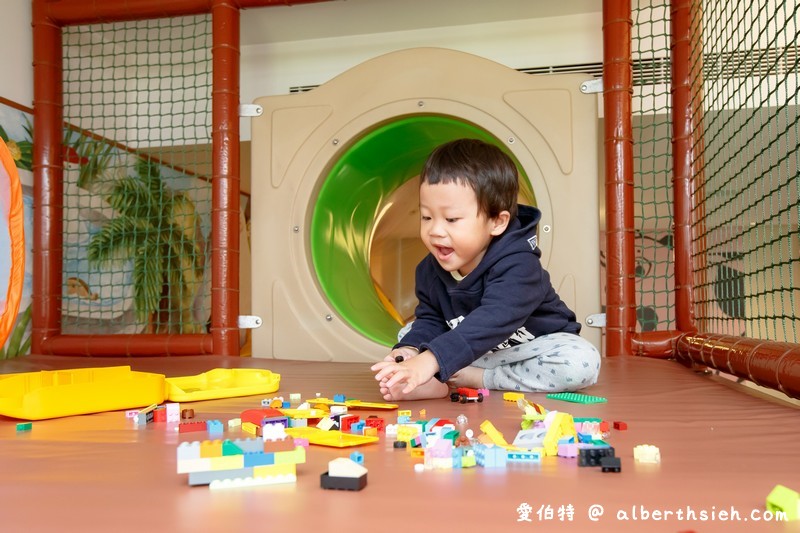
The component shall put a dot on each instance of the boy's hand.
(404, 352)
(412, 372)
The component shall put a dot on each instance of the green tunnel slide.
(353, 194)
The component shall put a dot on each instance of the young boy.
(487, 315)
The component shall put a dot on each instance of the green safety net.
(137, 159)
(745, 179)
(746, 182)
(353, 194)
(652, 166)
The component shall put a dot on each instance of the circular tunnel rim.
(353, 192)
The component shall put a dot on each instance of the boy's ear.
(500, 223)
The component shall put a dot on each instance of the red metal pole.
(225, 178)
(767, 363)
(139, 344)
(48, 174)
(683, 136)
(73, 12)
(618, 140)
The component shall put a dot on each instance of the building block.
(646, 453)
(611, 464)
(356, 457)
(493, 434)
(160, 414)
(231, 448)
(620, 426)
(142, 419)
(568, 450)
(525, 456)
(513, 396)
(214, 427)
(333, 438)
(785, 500)
(173, 412)
(188, 451)
(561, 425)
(490, 456)
(187, 414)
(591, 456)
(187, 427)
(344, 474)
(342, 483)
(211, 448)
(249, 427)
(575, 397)
(375, 422)
(24, 426)
(234, 423)
(339, 398)
(347, 421)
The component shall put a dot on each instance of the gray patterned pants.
(551, 363)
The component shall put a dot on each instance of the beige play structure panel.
(335, 219)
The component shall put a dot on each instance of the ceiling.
(357, 17)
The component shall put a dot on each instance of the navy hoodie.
(508, 299)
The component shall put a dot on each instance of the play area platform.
(723, 449)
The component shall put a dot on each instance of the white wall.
(271, 69)
(16, 61)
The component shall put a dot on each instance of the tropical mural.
(136, 236)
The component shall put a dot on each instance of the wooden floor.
(722, 451)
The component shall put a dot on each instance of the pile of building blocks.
(242, 462)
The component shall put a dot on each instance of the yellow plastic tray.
(334, 438)
(57, 393)
(222, 383)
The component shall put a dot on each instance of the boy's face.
(452, 228)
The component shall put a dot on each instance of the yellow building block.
(407, 432)
(562, 426)
(513, 396)
(298, 455)
(249, 427)
(286, 469)
(227, 462)
(494, 435)
(211, 448)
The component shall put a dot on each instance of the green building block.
(575, 397)
(24, 426)
(786, 500)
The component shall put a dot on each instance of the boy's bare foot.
(470, 376)
(432, 389)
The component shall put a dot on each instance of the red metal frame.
(618, 142)
(49, 16)
(771, 364)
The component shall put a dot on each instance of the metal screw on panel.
(335, 142)
(328, 318)
(420, 104)
(511, 140)
(296, 229)
(546, 228)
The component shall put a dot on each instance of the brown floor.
(721, 449)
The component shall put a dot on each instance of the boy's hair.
(483, 167)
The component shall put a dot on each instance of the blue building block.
(357, 457)
(215, 427)
(339, 398)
